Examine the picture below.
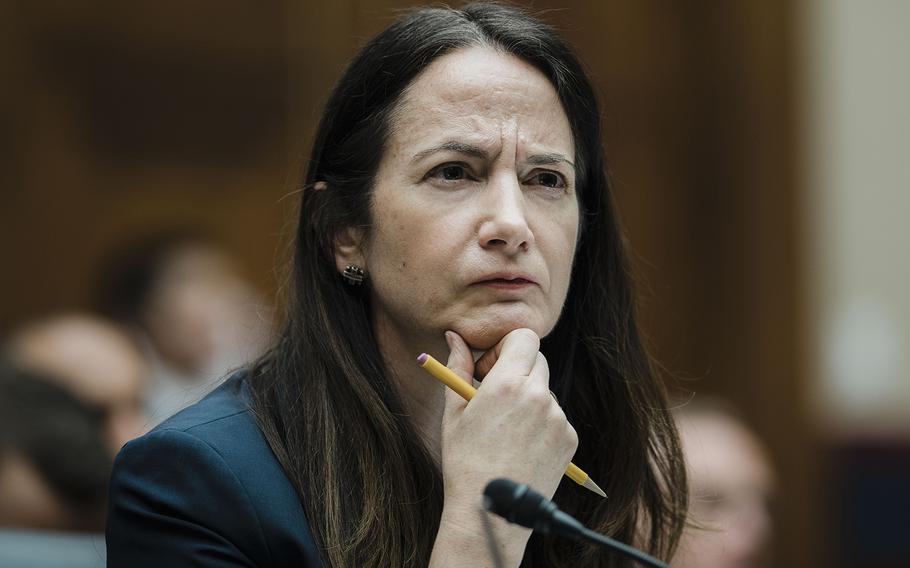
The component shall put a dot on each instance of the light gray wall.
(855, 85)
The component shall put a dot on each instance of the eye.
(449, 173)
(548, 179)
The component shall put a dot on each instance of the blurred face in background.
(200, 307)
(26, 499)
(730, 485)
(54, 463)
(97, 363)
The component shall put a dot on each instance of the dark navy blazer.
(205, 489)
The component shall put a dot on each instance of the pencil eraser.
(422, 358)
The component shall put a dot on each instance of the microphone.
(519, 504)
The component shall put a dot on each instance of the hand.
(511, 428)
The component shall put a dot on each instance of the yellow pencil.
(448, 377)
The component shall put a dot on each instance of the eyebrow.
(452, 146)
(549, 159)
(478, 152)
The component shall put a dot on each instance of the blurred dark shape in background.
(184, 301)
(870, 487)
(731, 485)
(54, 462)
(95, 361)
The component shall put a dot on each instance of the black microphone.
(519, 504)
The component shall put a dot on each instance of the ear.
(349, 248)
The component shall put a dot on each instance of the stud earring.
(353, 275)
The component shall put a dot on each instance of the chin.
(484, 335)
(480, 341)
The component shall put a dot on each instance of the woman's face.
(474, 210)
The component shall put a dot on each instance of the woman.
(455, 202)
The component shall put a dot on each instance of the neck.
(423, 397)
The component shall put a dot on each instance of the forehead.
(722, 452)
(479, 93)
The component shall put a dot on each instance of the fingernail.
(449, 338)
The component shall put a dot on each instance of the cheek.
(413, 239)
(398, 260)
(562, 254)
(395, 246)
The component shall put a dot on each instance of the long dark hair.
(371, 491)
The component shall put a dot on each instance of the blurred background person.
(731, 483)
(95, 361)
(192, 313)
(54, 460)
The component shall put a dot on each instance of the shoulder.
(222, 420)
(205, 482)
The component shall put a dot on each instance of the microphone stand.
(621, 547)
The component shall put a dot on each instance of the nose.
(504, 224)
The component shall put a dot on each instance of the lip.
(506, 281)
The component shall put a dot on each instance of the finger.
(538, 384)
(453, 402)
(541, 371)
(462, 362)
(515, 355)
(460, 359)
